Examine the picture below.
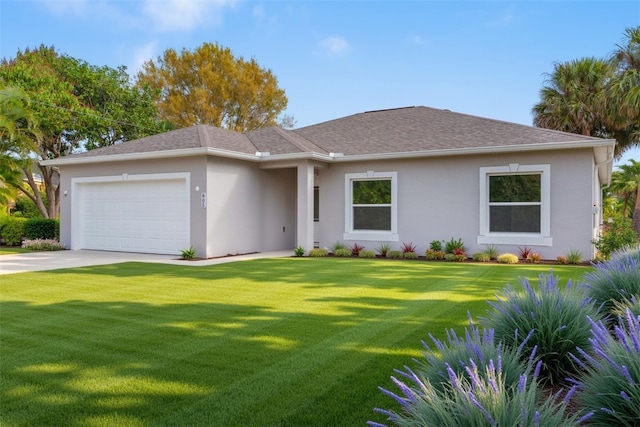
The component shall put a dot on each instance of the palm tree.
(625, 184)
(573, 99)
(18, 137)
(623, 105)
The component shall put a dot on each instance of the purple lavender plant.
(610, 387)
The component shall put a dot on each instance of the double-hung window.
(371, 209)
(514, 205)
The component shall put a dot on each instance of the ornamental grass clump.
(616, 280)
(557, 317)
(610, 387)
(479, 398)
(507, 259)
(318, 252)
(366, 253)
(478, 346)
(342, 252)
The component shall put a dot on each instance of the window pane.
(523, 219)
(372, 218)
(316, 204)
(514, 188)
(372, 192)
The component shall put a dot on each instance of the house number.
(203, 200)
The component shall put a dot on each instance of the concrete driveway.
(39, 261)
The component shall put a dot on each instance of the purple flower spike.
(625, 396)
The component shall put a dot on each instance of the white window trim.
(370, 235)
(534, 239)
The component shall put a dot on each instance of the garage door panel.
(135, 216)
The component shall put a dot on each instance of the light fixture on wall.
(65, 193)
(197, 188)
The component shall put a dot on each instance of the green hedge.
(42, 228)
(12, 230)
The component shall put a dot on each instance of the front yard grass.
(278, 342)
(10, 250)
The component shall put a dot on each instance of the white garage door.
(148, 216)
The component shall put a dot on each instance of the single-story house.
(414, 174)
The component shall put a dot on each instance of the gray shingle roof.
(401, 130)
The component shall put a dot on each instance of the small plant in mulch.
(188, 254)
(383, 249)
(342, 252)
(366, 253)
(356, 248)
(299, 251)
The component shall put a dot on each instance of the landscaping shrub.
(366, 253)
(356, 248)
(452, 245)
(615, 236)
(524, 252)
(13, 231)
(460, 254)
(41, 228)
(534, 257)
(492, 250)
(561, 259)
(611, 386)
(615, 280)
(299, 251)
(25, 208)
(433, 255)
(481, 257)
(450, 257)
(394, 254)
(478, 346)
(336, 246)
(410, 255)
(189, 253)
(481, 397)
(557, 316)
(633, 305)
(383, 249)
(42, 245)
(435, 245)
(574, 256)
(507, 259)
(407, 247)
(318, 252)
(342, 252)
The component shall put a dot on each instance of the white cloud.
(139, 56)
(184, 15)
(335, 45)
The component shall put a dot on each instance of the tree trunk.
(52, 190)
(636, 213)
(36, 198)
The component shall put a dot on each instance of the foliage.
(534, 257)
(209, 85)
(524, 252)
(79, 106)
(492, 250)
(450, 257)
(615, 235)
(557, 317)
(435, 245)
(318, 252)
(561, 259)
(13, 231)
(615, 280)
(42, 228)
(337, 245)
(481, 257)
(383, 248)
(432, 255)
(460, 254)
(611, 386)
(453, 244)
(299, 251)
(394, 254)
(632, 304)
(407, 247)
(42, 245)
(478, 346)
(356, 248)
(410, 255)
(366, 253)
(342, 252)
(574, 256)
(189, 253)
(624, 186)
(507, 258)
(480, 397)
(26, 208)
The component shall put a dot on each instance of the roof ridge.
(287, 135)
(203, 135)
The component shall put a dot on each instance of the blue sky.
(336, 58)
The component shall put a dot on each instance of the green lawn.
(281, 342)
(10, 250)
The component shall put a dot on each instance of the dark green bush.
(616, 235)
(41, 228)
(24, 207)
(451, 246)
(13, 231)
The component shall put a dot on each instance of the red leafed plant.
(408, 247)
(356, 248)
(525, 252)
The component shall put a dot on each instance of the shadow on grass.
(266, 342)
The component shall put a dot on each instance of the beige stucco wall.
(249, 209)
(438, 199)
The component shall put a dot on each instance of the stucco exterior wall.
(249, 209)
(438, 199)
(195, 166)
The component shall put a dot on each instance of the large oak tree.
(210, 86)
(76, 106)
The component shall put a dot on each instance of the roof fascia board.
(184, 152)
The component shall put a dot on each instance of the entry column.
(304, 223)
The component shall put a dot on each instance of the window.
(370, 201)
(316, 204)
(514, 205)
